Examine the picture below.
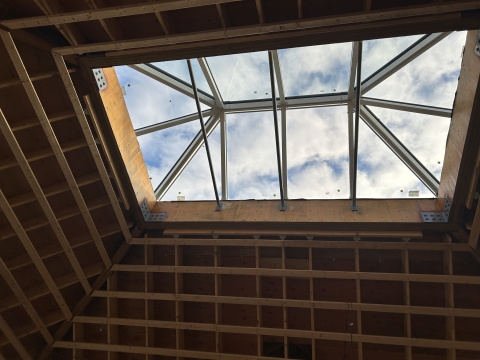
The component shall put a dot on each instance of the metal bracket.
(437, 216)
(148, 216)
(100, 78)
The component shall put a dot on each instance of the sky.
(317, 138)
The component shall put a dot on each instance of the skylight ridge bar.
(211, 81)
(353, 69)
(355, 130)
(185, 158)
(204, 132)
(402, 59)
(402, 152)
(168, 80)
(283, 205)
(173, 122)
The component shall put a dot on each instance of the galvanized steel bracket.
(151, 217)
(100, 78)
(437, 216)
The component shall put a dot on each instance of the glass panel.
(179, 69)
(377, 53)
(430, 79)
(242, 76)
(317, 147)
(149, 101)
(160, 159)
(251, 156)
(316, 69)
(195, 182)
(424, 135)
(381, 174)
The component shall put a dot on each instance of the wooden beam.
(221, 15)
(300, 9)
(111, 27)
(27, 305)
(406, 301)
(258, 4)
(358, 297)
(317, 244)
(328, 305)
(112, 312)
(449, 298)
(27, 244)
(62, 161)
(28, 123)
(106, 13)
(42, 200)
(106, 151)
(34, 77)
(179, 308)
(62, 68)
(13, 339)
(318, 274)
(337, 21)
(306, 233)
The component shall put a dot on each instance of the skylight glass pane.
(160, 159)
(378, 52)
(242, 76)
(149, 101)
(320, 69)
(424, 135)
(179, 69)
(430, 79)
(317, 145)
(381, 174)
(251, 156)
(195, 182)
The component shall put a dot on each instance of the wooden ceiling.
(84, 276)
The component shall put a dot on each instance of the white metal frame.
(220, 108)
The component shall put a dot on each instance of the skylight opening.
(408, 89)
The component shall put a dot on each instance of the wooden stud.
(218, 307)
(112, 312)
(258, 4)
(62, 68)
(319, 274)
(221, 15)
(59, 155)
(312, 298)
(449, 298)
(149, 304)
(42, 200)
(106, 13)
(258, 292)
(34, 77)
(108, 156)
(475, 231)
(406, 301)
(14, 340)
(78, 336)
(316, 244)
(285, 309)
(22, 298)
(300, 12)
(359, 300)
(27, 244)
(180, 342)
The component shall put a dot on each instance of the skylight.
(408, 88)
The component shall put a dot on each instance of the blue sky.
(317, 138)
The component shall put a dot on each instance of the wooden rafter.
(67, 81)
(27, 244)
(17, 290)
(42, 200)
(106, 13)
(110, 25)
(258, 4)
(283, 27)
(13, 339)
(60, 156)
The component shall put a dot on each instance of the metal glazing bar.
(420, 109)
(185, 158)
(284, 151)
(223, 146)
(403, 59)
(350, 145)
(355, 132)
(177, 84)
(204, 132)
(290, 102)
(211, 81)
(400, 150)
(353, 69)
(278, 75)
(283, 205)
(174, 122)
